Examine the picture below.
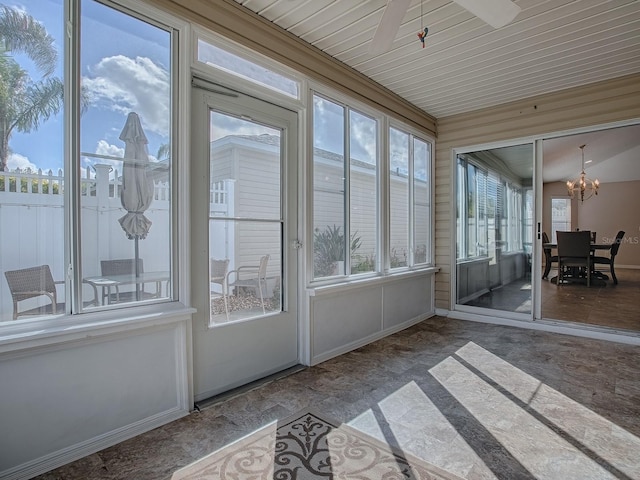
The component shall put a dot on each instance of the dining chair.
(549, 259)
(574, 251)
(34, 282)
(250, 276)
(610, 260)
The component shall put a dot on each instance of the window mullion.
(384, 199)
(411, 203)
(72, 171)
(347, 190)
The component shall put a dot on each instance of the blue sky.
(121, 71)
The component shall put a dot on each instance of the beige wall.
(612, 210)
(590, 105)
(615, 208)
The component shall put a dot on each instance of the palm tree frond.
(22, 33)
(164, 152)
(41, 101)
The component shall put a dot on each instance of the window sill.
(46, 331)
(353, 284)
(473, 260)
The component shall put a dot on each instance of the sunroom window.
(492, 213)
(87, 224)
(345, 190)
(348, 186)
(409, 199)
(251, 71)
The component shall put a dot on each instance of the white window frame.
(553, 231)
(349, 105)
(385, 122)
(413, 133)
(45, 327)
(240, 83)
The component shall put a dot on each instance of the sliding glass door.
(494, 233)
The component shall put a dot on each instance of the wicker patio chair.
(34, 282)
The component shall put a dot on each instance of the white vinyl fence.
(32, 224)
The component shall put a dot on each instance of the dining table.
(594, 246)
(108, 282)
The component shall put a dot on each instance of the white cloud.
(124, 84)
(16, 160)
(105, 148)
(363, 145)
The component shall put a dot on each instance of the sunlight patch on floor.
(422, 430)
(606, 439)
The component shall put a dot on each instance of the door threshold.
(223, 397)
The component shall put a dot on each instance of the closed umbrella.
(137, 188)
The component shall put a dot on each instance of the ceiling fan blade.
(496, 13)
(388, 26)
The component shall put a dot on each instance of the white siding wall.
(364, 209)
(399, 238)
(258, 196)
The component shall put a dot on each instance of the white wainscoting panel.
(345, 317)
(67, 399)
(341, 319)
(406, 300)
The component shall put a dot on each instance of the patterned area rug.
(307, 446)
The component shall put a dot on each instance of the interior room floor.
(574, 302)
(481, 401)
(609, 305)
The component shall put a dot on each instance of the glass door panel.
(245, 222)
(494, 230)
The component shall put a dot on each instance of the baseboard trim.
(554, 326)
(315, 360)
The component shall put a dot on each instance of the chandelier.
(582, 185)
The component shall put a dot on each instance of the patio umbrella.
(137, 189)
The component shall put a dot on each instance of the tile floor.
(482, 401)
